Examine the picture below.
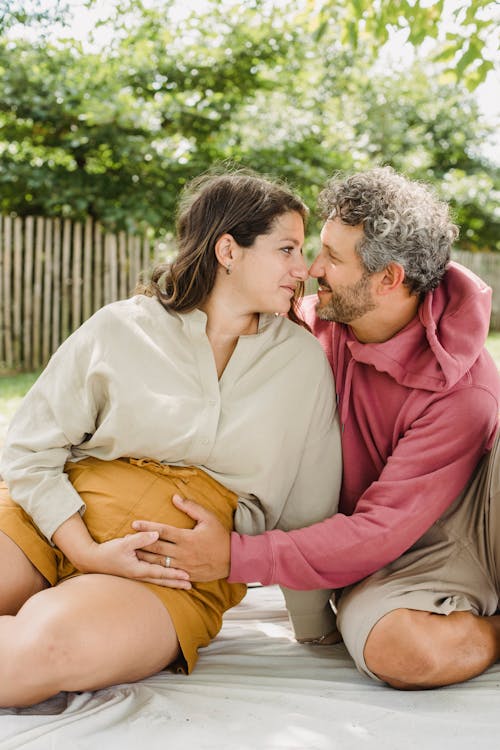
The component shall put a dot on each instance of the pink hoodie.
(417, 411)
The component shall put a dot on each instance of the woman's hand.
(203, 552)
(115, 557)
(119, 557)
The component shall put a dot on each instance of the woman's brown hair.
(241, 204)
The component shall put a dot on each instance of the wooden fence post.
(47, 289)
(37, 292)
(56, 285)
(123, 262)
(98, 281)
(76, 276)
(2, 327)
(29, 228)
(17, 295)
(66, 279)
(7, 291)
(87, 270)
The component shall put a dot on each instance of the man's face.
(344, 287)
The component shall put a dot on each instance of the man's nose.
(315, 269)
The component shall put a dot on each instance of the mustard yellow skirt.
(117, 493)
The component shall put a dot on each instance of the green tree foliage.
(27, 12)
(469, 42)
(116, 131)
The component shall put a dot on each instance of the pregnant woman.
(202, 384)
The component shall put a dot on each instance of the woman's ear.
(225, 251)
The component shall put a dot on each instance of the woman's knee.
(398, 651)
(35, 654)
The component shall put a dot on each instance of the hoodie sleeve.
(395, 511)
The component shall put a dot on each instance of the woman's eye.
(287, 250)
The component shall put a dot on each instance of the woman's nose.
(300, 270)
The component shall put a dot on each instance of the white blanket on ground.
(255, 688)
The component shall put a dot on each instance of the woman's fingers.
(141, 539)
(170, 583)
(164, 532)
(171, 575)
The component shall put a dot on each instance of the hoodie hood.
(436, 349)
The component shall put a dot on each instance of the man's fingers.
(156, 559)
(192, 509)
(148, 557)
(173, 534)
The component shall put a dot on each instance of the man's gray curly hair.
(403, 222)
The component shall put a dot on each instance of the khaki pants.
(455, 566)
(115, 494)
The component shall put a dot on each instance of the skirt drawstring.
(179, 475)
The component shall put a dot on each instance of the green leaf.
(352, 30)
(447, 53)
(320, 31)
(472, 54)
(359, 8)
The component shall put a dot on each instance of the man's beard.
(347, 303)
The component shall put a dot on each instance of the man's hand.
(203, 552)
(116, 557)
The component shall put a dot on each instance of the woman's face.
(267, 273)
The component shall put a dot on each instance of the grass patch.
(16, 386)
(493, 346)
(12, 390)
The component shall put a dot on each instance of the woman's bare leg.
(87, 633)
(19, 579)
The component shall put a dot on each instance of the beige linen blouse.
(135, 380)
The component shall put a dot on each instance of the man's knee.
(398, 651)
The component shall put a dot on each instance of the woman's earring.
(228, 269)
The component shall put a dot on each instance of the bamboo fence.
(54, 274)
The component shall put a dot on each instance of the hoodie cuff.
(251, 559)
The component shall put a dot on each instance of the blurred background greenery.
(107, 108)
